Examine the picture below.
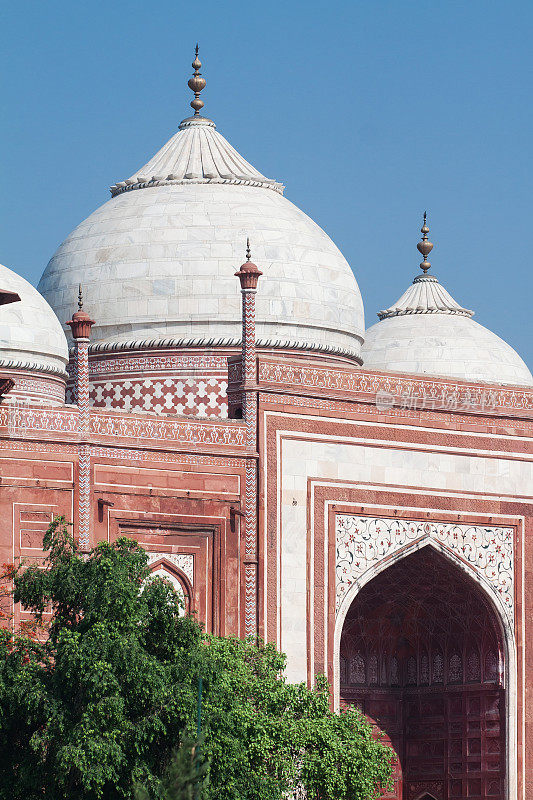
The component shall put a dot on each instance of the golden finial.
(248, 251)
(196, 84)
(80, 298)
(424, 246)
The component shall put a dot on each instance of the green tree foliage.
(187, 776)
(265, 737)
(98, 705)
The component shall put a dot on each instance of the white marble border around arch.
(184, 562)
(506, 627)
(306, 460)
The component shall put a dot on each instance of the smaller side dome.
(427, 332)
(31, 341)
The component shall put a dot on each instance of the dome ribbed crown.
(197, 153)
(425, 296)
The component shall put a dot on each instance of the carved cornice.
(24, 420)
(164, 362)
(196, 432)
(32, 366)
(223, 341)
(388, 391)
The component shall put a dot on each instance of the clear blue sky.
(369, 111)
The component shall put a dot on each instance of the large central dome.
(157, 261)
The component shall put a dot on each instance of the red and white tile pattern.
(159, 382)
(197, 396)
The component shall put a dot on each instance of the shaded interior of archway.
(422, 656)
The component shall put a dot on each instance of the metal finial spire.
(248, 251)
(80, 298)
(425, 246)
(196, 84)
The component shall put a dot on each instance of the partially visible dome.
(157, 261)
(446, 346)
(427, 332)
(31, 337)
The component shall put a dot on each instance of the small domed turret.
(427, 332)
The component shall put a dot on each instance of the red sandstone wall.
(177, 486)
(433, 416)
(181, 500)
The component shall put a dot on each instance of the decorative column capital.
(81, 323)
(249, 273)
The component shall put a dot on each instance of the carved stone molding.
(398, 390)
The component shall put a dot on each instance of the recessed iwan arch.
(501, 616)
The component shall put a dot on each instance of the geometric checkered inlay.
(198, 396)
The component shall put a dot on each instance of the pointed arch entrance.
(422, 654)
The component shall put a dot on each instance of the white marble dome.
(157, 261)
(31, 337)
(427, 332)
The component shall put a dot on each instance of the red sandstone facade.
(376, 527)
(374, 523)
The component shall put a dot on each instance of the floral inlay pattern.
(184, 561)
(362, 542)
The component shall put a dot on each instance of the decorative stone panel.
(184, 562)
(409, 392)
(164, 383)
(363, 542)
(200, 397)
(35, 389)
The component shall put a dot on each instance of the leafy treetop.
(99, 706)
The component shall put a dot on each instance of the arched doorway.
(421, 654)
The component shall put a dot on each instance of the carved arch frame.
(510, 673)
(178, 574)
